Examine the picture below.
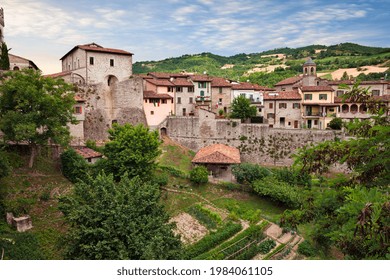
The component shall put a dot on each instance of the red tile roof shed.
(218, 154)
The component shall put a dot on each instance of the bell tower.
(1, 25)
(309, 73)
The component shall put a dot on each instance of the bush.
(74, 167)
(293, 177)
(205, 216)
(248, 173)
(212, 240)
(336, 123)
(5, 167)
(160, 179)
(199, 175)
(266, 246)
(305, 248)
(21, 246)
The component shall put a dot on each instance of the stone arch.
(305, 70)
(345, 108)
(16, 68)
(312, 70)
(76, 78)
(163, 131)
(354, 108)
(363, 109)
(112, 80)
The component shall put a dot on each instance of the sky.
(44, 30)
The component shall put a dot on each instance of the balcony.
(203, 98)
(311, 114)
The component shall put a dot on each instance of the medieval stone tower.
(309, 73)
(1, 25)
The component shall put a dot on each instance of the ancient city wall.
(257, 142)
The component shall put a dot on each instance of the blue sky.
(44, 30)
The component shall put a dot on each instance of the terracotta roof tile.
(160, 82)
(317, 88)
(58, 75)
(220, 82)
(218, 153)
(283, 95)
(97, 48)
(152, 94)
(183, 82)
(201, 78)
(289, 81)
(87, 152)
(79, 99)
(245, 86)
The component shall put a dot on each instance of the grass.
(175, 156)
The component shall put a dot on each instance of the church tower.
(309, 73)
(1, 25)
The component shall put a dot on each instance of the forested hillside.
(271, 66)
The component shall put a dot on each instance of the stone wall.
(121, 103)
(257, 142)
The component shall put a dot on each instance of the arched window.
(312, 70)
(16, 68)
(354, 108)
(345, 108)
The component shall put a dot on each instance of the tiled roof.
(246, 86)
(385, 98)
(349, 82)
(160, 75)
(220, 82)
(160, 82)
(317, 88)
(60, 74)
(87, 152)
(218, 153)
(283, 95)
(182, 82)
(289, 81)
(152, 94)
(309, 62)
(79, 99)
(201, 78)
(97, 48)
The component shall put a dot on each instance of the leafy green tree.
(74, 167)
(5, 168)
(242, 109)
(4, 58)
(345, 76)
(132, 150)
(336, 123)
(124, 220)
(35, 109)
(199, 175)
(247, 173)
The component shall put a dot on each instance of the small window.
(202, 84)
(296, 106)
(190, 89)
(91, 60)
(270, 116)
(315, 122)
(259, 110)
(323, 96)
(111, 62)
(220, 90)
(271, 105)
(308, 96)
(152, 112)
(146, 101)
(163, 101)
(179, 100)
(78, 110)
(179, 89)
(170, 89)
(339, 92)
(191, 100)
(282, 105)
(375, 92)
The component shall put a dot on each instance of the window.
(170, 89)
(308, 96)
(111, 62)
(259, 110)
(190, 89)
(251, 98)
(179, 100)
(282, 105)
(323, 96)
(220, 101)
(296, 106)
(179, 89)
(283, 89)
(201, 84)
(271, 105)
(146, 101)
(152, 112)
(191, 100)
(375, 92)
(270, 116)
(91, 60)
(164, 101)
(339, 92)
(220, 90)
(78, 110)
(243, 94)
(315, 122)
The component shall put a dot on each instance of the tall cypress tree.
(4, 59)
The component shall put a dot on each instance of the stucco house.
(220, 95)
(218, 159)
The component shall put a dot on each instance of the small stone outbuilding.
(88, 154)
(218, 159)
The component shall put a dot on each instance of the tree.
(122, 220)
(345, 76)
(5, 168)
(199, 175)
(242, 109)
(247, 173)
(336, 123)
(132, 150)
(4, 58)
(35, 109)
(74, 167)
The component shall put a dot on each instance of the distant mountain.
(243, 66)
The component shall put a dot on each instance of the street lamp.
(274, 94)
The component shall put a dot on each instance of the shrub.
(248, 173)
(21, 246)
(266, 246)
(205, 216)
(293, 177)
(305, 248)
(74, 167)
(336, 123)
(5, 167)
(160, 179)
(199, 175)
(212, 240)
